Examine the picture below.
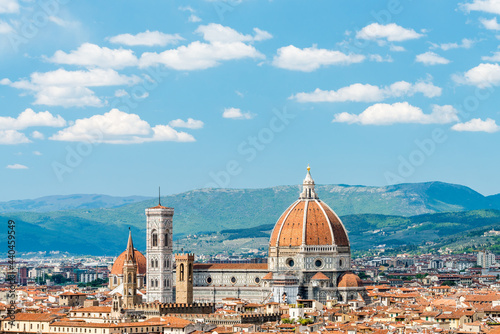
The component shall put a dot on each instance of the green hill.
(404, 213)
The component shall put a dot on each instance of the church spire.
(308, 191)
(130, 247)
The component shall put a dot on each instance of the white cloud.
(118, 127)
(396, 48)
(465, 44)
(187, 9)
(16, 166)
(9, 6)
(483, 75)
(92, 55)
(69, 88)
(29, 118)
(477, 125)
(490, 24)
(63, 23)
(37, 135)
(198, 55)
(5, 81)
(147, 38)
(390, 32)
(493, 58)
(379, 59)
(236, 113)
(431, 58)
(189, 124)
(5, 28)
(215, 32)
(488, 6)
(121, 92)
(13, 137)
(401, 112)
(193, 18)
(310, 59)
(369, 93)
(37, 153)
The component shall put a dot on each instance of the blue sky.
(120, 97)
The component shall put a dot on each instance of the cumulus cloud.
(118, 127)
(193, 18)
(482, 76)
(29, 118)
(16, 166)
(199, 56)
(495, 57)
(92, 55)
(310, 59)
(236, 113)
(477, 125)
(5, 28)
(69, 88)
(401, 112)
(189, 124)
(37, 135)
(465, 44)
(215, 32)
(390, 32)
(147, 38)
(9, 6)
(13, 137)
(488, 6)
(369, 93)
(490, 24)
(431, 58)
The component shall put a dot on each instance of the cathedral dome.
(309, 222)
(350, 280)
(117, 268)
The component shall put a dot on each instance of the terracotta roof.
(117, 268)
(159, 207)
(269, 275)
(35, 317)
(322, 226)
(94, 309)
(350, 280)
(320, 276)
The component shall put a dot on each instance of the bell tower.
(159, 253)
(184, 278)
(130, 297)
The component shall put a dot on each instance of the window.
(318, 263)
(156, 263)
(290, 262)
(209, 280)
(233, 279)
(154, 238)
(166, 239)
(181, 272)
(152, 263)
(190, 278)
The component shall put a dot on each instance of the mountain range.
(98, 224)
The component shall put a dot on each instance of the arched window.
(152, 283)
(168, 283)
(165, 241)
(154, 238)
(156, 263)
(190, 278)
(152, 263)
(181, 271)
(129, 279)
(115, 280)
(164, 283)
(156, 283)
(168, 263)
(164, 264)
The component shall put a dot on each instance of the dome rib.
(117, 268)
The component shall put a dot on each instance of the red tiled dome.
(117, 268)
(310, 222)
(350, 280)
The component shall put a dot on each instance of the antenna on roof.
(159, 200)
